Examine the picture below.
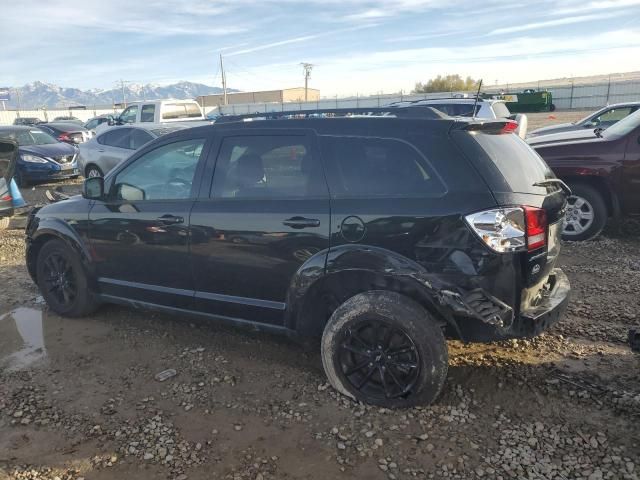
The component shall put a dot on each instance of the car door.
(140, 233)
(266, 214)
(114, 146)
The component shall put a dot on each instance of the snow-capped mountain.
(39, 94)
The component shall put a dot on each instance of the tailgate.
(514, 173)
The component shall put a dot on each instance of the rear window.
(377, 167)
(505, 161)
(172, 111)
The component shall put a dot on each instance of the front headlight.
(33, 159)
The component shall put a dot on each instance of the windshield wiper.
(554, 181)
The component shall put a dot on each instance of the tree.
(450, 83)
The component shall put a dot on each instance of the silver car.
(114, 145)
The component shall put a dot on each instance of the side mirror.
(93, 188)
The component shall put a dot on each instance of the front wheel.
(586, 213)
(63, 281)
(383, 348)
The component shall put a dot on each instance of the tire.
(416, 340)
(93, 171)
(552, 108)
(58, 265)
(4, 223)
(585, 199)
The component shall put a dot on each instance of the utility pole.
(124, 98)
(306, 67)
(224, 80)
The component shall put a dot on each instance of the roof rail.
(417, 111)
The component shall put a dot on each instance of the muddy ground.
(78, 398)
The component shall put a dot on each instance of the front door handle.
(301, 222)
(168, 219)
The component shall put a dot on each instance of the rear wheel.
(383, 348)
(93, 171)
(586, 213)
(62, 280)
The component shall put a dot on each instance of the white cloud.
(554, 23)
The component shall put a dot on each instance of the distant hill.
(39, 94)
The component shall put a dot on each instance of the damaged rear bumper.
(550, 309)
(529, 323)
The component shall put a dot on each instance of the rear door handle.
(301, 222)
(168, 219)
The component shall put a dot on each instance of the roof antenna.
(473, 113)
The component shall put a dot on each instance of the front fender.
(41, 230)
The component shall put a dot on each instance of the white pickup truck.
(161, 111)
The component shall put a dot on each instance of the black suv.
(380, 233)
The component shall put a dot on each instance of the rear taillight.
(510, 229)
(6, 198)
(64, 137)
(501, 229)
(495, 127)
(536, 219)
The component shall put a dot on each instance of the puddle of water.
(21, 339)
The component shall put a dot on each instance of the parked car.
(93, 123)
(161, 111)
(380, 235)
(468, 107)
(8, 158)
(111, 146)
(602, 167)
(40, 156)
(69, 119)
(27, 121)
(66, 132)
(603, 118)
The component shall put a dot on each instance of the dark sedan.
(602, 167)
(67, 132)
(40, 156)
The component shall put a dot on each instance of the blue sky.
(357, 46)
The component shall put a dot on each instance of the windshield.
(624, 126)
(28, 137)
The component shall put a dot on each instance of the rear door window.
(377, 167)
(269, 166)
(119, 138)
(139, 138)
(457, 109)
(148, 113)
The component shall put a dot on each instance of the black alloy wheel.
(60, 280)
(379, 360)
(63, 281)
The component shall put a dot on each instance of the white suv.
(464, 106)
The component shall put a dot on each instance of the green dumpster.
(526, 101)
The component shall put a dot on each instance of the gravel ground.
(78, 398)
